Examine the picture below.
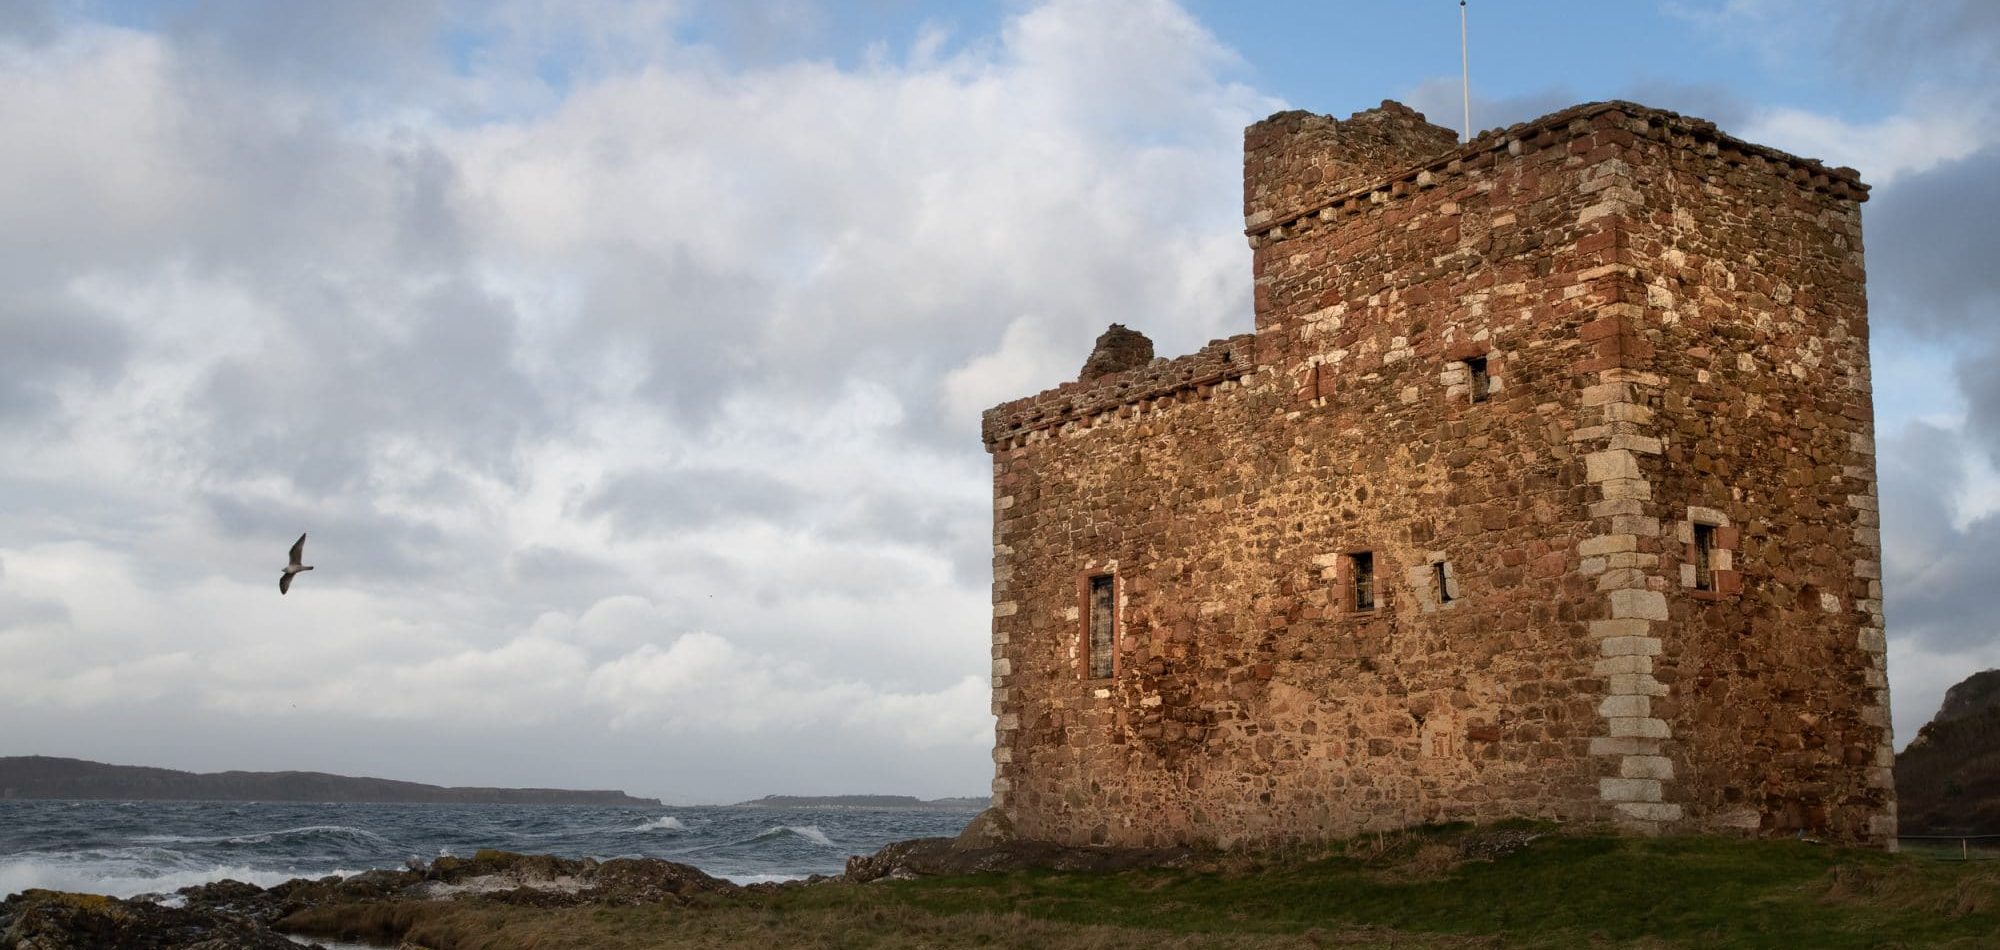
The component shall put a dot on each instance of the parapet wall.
(1190, 376)
(1401, 166)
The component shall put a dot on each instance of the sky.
(624, 359)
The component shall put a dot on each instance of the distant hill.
(1948, 777)
(885, 802)
(38, 776)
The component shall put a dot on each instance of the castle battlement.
(1579, 130)
(1152, 387)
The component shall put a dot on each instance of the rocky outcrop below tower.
(1948, 778)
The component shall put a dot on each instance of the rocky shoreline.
(378, 906)
(233, 914)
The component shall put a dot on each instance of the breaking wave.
(126, 849)
(808, 832)
(130, 876)
(334, 832)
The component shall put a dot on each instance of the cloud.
(1024, 363)
(658, 500)
(703, 683)
(1930, 243)
(1883, 150)
(29, 21)
(623, 367)
(52, 345)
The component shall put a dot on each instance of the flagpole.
(1465, 70)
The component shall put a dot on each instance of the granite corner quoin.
(1544, 487)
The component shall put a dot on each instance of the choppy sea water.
(128, 848)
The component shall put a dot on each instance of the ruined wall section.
(1754, 309)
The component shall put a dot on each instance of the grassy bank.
(1439, 888)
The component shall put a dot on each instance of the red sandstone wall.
(1296, 161)
(1753, 304)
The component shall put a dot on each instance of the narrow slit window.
(1361, 568)
(1704, 549)
(1482, 384)
(1443, 582)
(1103, 627)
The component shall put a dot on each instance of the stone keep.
(1583, 404)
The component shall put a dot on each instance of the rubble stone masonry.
(1591, 396)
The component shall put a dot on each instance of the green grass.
(1558, 891)
(1412, 889)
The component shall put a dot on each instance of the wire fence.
(1951, 847)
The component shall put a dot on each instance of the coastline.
(1518, 884)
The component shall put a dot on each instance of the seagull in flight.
(298, 553)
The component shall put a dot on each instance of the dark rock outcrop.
(988, 829)
(232, 915)
(54, 920)
(1948, 777)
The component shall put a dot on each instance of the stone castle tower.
(1544, 487)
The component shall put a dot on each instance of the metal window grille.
(1362, 566)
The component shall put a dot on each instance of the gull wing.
(285, 584)
(299, 551)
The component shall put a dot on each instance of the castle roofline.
(1661, 125)
(1193, 376)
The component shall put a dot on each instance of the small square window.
(1361, 579)
(1482, 384)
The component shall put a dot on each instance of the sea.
(129, 848)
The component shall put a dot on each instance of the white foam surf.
(129, 878)
(809, 832)
(266, 837)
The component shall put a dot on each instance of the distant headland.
(40, 776)
(885, 802)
